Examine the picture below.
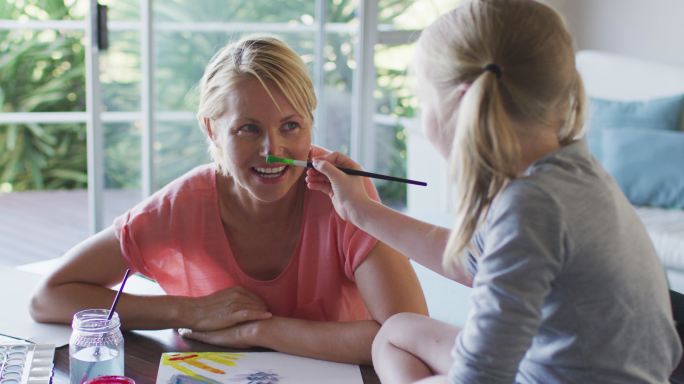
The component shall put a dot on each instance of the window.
(146, 87)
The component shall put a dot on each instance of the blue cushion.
(656, 114)
(648, 165)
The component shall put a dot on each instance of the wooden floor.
(41, 225)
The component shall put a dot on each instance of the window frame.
(364, 117)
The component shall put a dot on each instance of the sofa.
(648, 104)
(610, 81)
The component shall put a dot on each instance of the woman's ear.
(209, 128)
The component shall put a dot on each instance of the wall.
(647, 29)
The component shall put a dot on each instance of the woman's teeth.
(270, 173)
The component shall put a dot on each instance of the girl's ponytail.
(517, 60)
(483, 158)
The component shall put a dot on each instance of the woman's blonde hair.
(533, 80)
(265, 58)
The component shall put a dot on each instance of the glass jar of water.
(96, 347)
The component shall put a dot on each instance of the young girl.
(567, 287)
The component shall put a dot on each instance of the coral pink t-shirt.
(176, 238)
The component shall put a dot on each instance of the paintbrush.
(109, 318)
(349, 171)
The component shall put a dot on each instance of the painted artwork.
(252, 368)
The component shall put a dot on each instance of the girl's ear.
(461, 90)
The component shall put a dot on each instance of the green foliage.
(392, 98)
(41, 71)
(44, 71)
(122, 156)
(43, 156)
(391, 155)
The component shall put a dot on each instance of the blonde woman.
(248, 256)
(567, 287)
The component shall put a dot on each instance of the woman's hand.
(308, 338)
(238, 336)
(347, 192)
(224, 309)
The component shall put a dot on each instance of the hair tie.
(491, 67)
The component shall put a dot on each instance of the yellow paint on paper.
(180, 361)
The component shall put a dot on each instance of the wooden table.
(143, 350)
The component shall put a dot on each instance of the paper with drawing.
(252, 368)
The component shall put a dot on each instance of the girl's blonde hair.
(536, 82)
(267, 59)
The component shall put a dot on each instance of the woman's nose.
(272, 144)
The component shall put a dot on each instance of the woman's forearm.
(345, 342)
(58, 303)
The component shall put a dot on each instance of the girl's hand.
(347, 192)
(225, 308)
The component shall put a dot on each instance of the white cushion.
(666, 228)
(616, 77)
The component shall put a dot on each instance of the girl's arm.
(96, 264)
(388, 286)
(421, 241)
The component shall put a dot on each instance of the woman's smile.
(270, 173)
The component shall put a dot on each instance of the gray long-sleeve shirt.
(568, 287)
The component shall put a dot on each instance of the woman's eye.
(248, 128)
(291, 125)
